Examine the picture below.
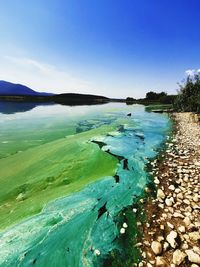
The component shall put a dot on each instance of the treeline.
(188, 98)
(162, 97)
(153, 98)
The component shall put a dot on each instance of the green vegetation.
(30, 179)
(130, 100)
(157, 98)
(188, 98)
(153, 98)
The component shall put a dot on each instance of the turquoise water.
(69, 229)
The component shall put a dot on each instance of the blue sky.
(116, 48)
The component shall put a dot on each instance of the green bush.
(188, 98)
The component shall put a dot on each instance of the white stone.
(169, 202)
(186, 201)
(192, 256)
(172, 187)
(194, 236)
(97, 252)
(178, 257)
(160, 262)
(125, 225)
(122, 230)
(196, 198)
(180, 196)
(187, 221)
(156, 247)
(171, 239)
(165, 246)
(170, 225)
(160, 194)
(181, 229)
(178, 215)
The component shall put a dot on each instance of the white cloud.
(41, 76)
(190, 72)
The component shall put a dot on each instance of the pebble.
(178, 227)
(193, 256)
(97, 252)
(170, 225)
(160, 261)
(156, 247)
(160, 194)
(122, 230)
(169, 202)
(181, 229)
(178, 257)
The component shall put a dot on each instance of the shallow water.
(114, 149)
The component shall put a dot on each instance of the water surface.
(66, 173)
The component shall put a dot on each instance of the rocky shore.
(171, 234)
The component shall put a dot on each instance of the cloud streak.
(41, 76)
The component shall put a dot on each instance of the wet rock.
(97, 252)
(21, 197)
(122, 230)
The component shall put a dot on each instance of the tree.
(188, 98)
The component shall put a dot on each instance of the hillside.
(11, 92)
(8, 89)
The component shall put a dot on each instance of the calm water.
(88, 162)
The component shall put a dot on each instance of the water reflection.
(11, 107)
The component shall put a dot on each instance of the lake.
(66, 173)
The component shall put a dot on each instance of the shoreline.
(171, 234)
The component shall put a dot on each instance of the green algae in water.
(69, 229)
(55, 169)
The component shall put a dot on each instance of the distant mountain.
(7, 88)
(17, 92)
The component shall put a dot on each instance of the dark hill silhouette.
(79, 99)
(11, 92)
(7, 88)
